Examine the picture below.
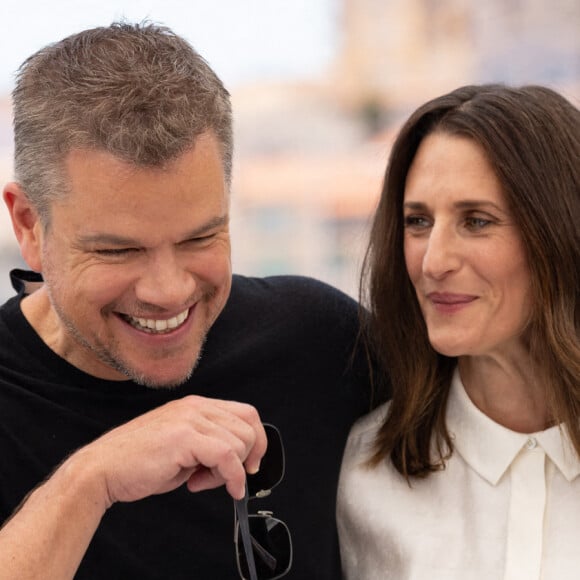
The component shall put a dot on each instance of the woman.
(472, 276)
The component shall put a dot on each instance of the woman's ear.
(26, 224)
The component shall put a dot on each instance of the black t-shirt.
(282, 344)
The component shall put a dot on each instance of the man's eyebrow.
(215, 222)
(117, 240)
(107, 239)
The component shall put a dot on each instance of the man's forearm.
(199, 441)
(49, 534)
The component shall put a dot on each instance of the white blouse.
(507, 505)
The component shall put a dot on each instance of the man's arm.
(202, 442)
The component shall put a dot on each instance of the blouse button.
(531, 443)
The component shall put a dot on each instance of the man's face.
(136, 264)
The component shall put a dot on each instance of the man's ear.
(26, 224)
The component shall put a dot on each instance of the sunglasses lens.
(271, 545)
(271, 467)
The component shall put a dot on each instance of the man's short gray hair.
(137, 91)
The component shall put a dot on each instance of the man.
(110, 416)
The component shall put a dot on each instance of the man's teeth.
(155, 326)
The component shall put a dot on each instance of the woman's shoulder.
(363, 433)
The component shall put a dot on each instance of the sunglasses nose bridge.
(263, 493)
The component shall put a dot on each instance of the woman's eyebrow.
(461, 204)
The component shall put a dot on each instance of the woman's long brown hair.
(531, 136)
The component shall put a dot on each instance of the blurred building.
(397, 53)
(306, 179)
(394, 52)
(310, 155)
(9, 251)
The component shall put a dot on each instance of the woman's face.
(463, 252)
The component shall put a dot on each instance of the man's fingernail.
(254, 469)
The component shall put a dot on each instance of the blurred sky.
(243, 40)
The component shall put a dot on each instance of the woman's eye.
(416, 221)
(476, 223)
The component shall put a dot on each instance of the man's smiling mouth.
(157, 326)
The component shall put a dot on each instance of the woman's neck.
(508, 390)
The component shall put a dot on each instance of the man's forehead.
(205, 143)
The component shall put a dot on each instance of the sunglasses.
(263, 543)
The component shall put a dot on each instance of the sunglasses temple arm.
(242, 512)
(265, 556)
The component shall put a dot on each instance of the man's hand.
(204, 442)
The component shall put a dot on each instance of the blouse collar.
(490, 448)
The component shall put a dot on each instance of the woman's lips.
(447, 302)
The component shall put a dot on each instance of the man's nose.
(166, 282)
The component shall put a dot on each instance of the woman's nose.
(442, 253)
